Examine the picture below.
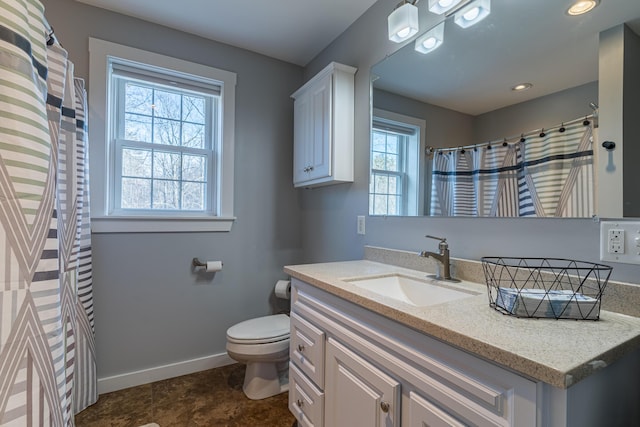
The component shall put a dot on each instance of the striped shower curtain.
(546, 175)
(47, 347)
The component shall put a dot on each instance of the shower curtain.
(545, 175)
(47, 347)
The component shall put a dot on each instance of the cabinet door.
(312, 132)
(423, 413)
(357, 394)
(319, 149)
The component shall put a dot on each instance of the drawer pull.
(300, 348)
(299, 402)
(384, 406)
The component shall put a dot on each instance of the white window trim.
(101, 221)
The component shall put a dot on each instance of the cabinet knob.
(299, 402)
(300, 348)
(310, 168)
(384, 406)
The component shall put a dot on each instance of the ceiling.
(291, 30)
(472, 72)
(520, 41)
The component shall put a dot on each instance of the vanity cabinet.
(352, 367)
(323, 128)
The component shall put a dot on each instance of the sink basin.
(413, 291)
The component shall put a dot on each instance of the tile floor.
(212, 398)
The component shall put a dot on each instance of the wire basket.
(545, 287)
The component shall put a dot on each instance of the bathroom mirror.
(461, 93)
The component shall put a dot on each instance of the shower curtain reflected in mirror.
(549, 174)
(47, 347)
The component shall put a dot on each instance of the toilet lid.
(267, 328)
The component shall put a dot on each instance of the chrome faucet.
(442, 257)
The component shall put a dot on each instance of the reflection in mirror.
(463, 92)
(397, 166)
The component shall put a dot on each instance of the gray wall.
(444, 127)
(335, 208)
(150, 308)
(544, 111)
(449, 128)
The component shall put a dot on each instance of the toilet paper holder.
(197, 263)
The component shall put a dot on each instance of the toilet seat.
(261, 330)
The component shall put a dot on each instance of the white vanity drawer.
(307, 349)
(306, 402)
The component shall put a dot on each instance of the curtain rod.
(430, 149)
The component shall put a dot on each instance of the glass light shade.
(431, 40)
(473, 13)
(442, 6)
(403, 23)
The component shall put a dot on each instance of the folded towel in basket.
(553, 304)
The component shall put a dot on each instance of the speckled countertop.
(557, 352)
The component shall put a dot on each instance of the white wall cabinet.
(323, 128)
(351, 367)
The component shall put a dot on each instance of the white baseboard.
(146, 376)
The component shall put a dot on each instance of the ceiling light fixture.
(472, 13)
(521, 87)
(431, 40)
(442, 6)
(582, 6)
(403, 22)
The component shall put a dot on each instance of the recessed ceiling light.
(582, 6)
(521, 86)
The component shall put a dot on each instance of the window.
(394, 185)
(167, 142)
(164, 140)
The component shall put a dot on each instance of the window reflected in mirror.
(396, 182)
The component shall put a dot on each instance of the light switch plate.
(360, 228)
(620, 241)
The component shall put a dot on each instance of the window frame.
(400, 174)
(413, 184)
(105, 218)
(119, 143)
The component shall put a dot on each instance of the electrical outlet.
(620, 241)
(360, 224)
(615, 241)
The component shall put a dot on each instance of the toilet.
(263, 345)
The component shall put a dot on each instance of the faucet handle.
(442, 239)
